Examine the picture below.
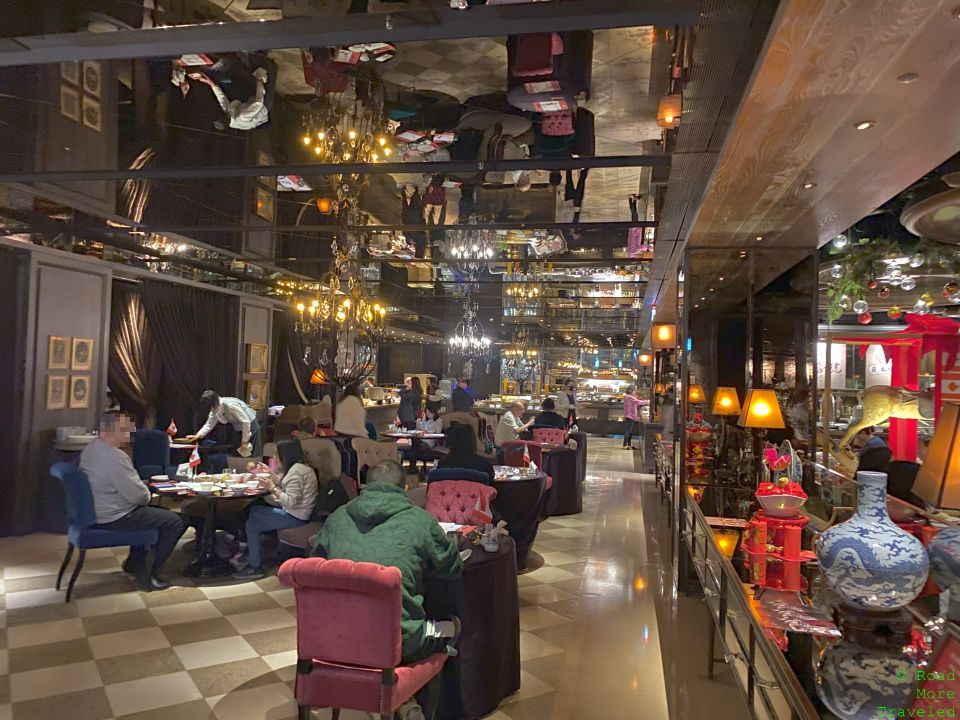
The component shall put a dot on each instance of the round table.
(208, 564)
(487, 668)
(520, 501)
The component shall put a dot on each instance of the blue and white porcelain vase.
(853, 681)
(869, 561)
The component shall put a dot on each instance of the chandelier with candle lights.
(343, 129)
(469, 251)
(519, 349)
(468, 338)
(341, 326)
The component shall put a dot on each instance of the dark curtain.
(134, 368)
(291, 370)
(196, 336)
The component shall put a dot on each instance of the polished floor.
(591, 643)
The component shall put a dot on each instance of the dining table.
(561, 463)
(520, 501)
(208, 565)
(486, 600)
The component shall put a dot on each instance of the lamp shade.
(938, 481)
(761, 410)
(644, 359)
(664, 337)
(669, 109)
(695, 394)
(659, 388)
(726, 401)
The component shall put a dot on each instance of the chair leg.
(63, 566)
(76, 573)
(303, 712)
(335, 714)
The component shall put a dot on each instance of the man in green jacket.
(382, 526)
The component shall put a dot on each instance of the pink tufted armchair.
(454, 500)
(555, 436)
(348, 638)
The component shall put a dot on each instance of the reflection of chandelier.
(520, 348)
(470, 250)
(468, 337)
(341, 327)
(356, 131)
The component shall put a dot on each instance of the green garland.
(863, 260)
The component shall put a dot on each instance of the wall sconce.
(726, 401)
(668, 111)
(695, 395)
(644, 359)
(664, 337)
(324, 205)
(938, 481)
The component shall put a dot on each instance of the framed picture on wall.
(91, 113)
(257, 394)
(69, 103)
(91, 78)
(263, 203)
(264, 159)
(81, 354)
(79, 391)
(56, 392)
(58, 353)
(256, 358)
(70, 71)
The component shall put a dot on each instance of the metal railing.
(769, 686)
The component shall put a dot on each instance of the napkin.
(245, 450)
(533, 466)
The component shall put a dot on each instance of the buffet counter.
(381, 414)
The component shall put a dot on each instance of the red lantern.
(865, 318)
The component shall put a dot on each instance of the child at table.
(430, 423)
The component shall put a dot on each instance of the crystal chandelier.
(468, 337)
(520, 349)
(469, 251)
(342, 326)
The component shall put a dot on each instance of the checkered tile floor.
(227, 651)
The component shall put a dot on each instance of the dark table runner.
(521, 502)
(487, 668)
(566, 496)
(581, 440)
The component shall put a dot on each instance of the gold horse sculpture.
(882, 402)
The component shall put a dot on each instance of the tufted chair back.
(463, 418)
(555, 436)
(323, 456)
(372, 452)
(455, 500)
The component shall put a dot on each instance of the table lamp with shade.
(695, 394)
(726, 402)
(761, 412)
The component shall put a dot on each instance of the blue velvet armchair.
(82, 532)
(151, 453)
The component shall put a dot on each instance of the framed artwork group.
(80, 88)
(76, 355)
(257, 365)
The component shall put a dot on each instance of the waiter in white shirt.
(235, 412)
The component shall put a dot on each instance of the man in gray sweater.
(120, 499)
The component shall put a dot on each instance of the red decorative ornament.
(872, 284)
(865, 318)
(894, 313)
(884, 292)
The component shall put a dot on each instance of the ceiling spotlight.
(721, 278)
(907, 78)
(864, 124)
(712, 289)
(759, 238)
(808, 185)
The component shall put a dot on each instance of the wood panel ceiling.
(795, 170)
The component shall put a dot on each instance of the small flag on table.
(481, 514)
(172, 428)
(526, 455)
(194, 457)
